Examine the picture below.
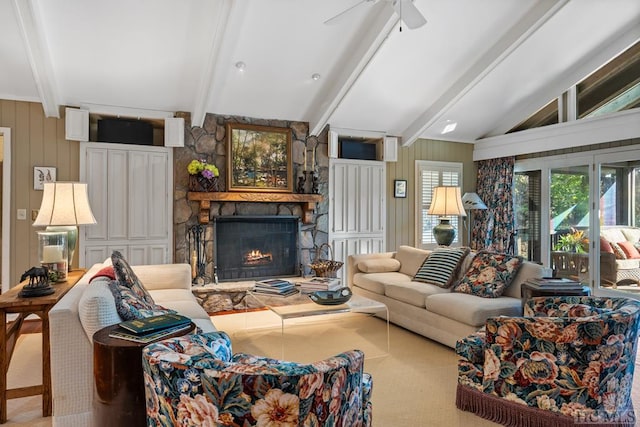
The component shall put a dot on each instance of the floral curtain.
(493, 228)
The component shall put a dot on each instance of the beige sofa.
(615, 271)
(426, 309)
(89, 307)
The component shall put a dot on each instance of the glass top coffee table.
(300, 305)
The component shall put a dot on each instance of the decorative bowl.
(339, 296)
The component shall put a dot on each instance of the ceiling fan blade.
(335, 17)
(409, 13)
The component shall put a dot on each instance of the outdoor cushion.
(629, 250)
(411, 259)
(632, 234)
(617, 250)
(489, 275)
(605, 246)
(441, 267)
(612, 234)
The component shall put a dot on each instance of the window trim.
(428, 165)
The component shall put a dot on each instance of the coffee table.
(300, 305)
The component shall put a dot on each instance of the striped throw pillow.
(441, 266)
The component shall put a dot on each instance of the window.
(430, 175)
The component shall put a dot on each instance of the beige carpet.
(414, 384)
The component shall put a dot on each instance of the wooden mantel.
(308, 201)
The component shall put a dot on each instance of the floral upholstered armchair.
(568, 361)
(196, 380)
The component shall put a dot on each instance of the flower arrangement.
(575, 241)
(202, 176)
(203, 168)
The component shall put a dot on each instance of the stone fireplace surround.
(209, 142)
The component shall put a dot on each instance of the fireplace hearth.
(256, 247)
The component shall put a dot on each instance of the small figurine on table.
(38, 282)
(300, 188)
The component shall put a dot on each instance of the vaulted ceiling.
(483, 65)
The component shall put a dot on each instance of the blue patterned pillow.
(130, 306)
(126, 276)
(489, 274)
(441, 266)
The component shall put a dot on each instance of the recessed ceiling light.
(240, 65)
(315, 76)
(449, 127)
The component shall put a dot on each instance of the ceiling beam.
(37, 51)
(594, 60)
(370, 37)
(211, 70)
(514, 38)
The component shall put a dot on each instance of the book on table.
(555, 282)
(286, 293)
(125, 334)
(274, 286)
(155, 323)
(319, 284)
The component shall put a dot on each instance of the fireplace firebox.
(256, 247)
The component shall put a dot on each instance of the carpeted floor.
(414, 384)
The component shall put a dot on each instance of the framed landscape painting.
(258, 158)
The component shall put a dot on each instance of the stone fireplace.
(209, 143)
(256, 247)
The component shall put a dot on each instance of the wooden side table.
(118, 394)
(529, 290)
(11, 302)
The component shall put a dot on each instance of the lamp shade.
(473, 201)
(64, 203)
(446, 201)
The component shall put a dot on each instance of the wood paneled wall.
(35, 141)
(401, 213)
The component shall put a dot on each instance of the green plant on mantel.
(575, 241)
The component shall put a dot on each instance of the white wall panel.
(96, 162)
(117, 190)
(138, 200)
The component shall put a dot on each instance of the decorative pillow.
(379, 265)
(97, 307)
(130, 306)
(104, 272)
(605, 246)
(617, 250)
(489, 275)
(629, 250)
(441, 266)
(126, 276)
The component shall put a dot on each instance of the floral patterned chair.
(196, 380)
(569, 361)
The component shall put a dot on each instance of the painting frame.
(42, 174)
(247, 147)
(400, 188)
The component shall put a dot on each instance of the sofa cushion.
(379, 265)
(489, 275)
(375, 282)
(632, 234)
(413, 293)
(629, 250)
(627, 264)
(472, 310)
(97, 307)
(411, 259)
(126, 276)
(441, 266)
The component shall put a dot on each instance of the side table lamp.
(471, 201)
(65, 206)
(446, 202)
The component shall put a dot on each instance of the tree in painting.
(259, 158)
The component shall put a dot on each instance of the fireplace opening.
(256, 247)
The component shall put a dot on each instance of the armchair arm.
(353, 260)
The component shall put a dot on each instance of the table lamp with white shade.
(446, 201)
(65, 206)
(472, 201)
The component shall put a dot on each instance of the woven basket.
(201, 184)
(325, 267)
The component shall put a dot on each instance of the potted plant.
(575, 242)
(202, 176)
